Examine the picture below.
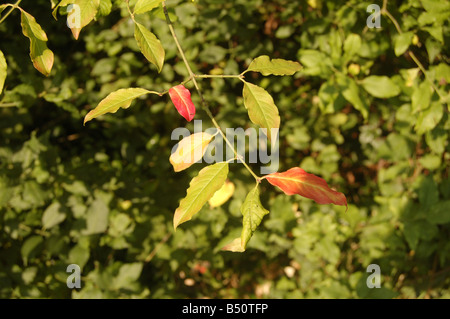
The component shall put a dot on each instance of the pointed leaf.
(80, 15)
(222, 195)
(264, 65)
(149, 45)
(262, 110)
(297, 181)
(181, 98)
(143, 6)
(201, 189)
(234, 246)
(40, 55)
(119, 99)
(190, 150)
(3, 68)
(253, 212)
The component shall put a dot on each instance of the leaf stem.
(197, 87)
(206, 76)
(13, 6)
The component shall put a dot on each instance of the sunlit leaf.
(261, 108)
(81, 13)
(3, 68)
(190, 150)
(40, 55)
(264, 65)
(53, 215)
(149, 45)
(222, 195)
(297, 181)
(201, 189)
(143, 6)
(181, 98)
(119, 99)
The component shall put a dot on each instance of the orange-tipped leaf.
(297, 181)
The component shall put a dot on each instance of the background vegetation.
(103, 195)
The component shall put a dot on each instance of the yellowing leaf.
(40, 55)
(222, 195)
(3, 69)
(234, 246)
(80, 15)
(149, 45)
(201, 189)
(190, 150)
(264, 65)
(119, 99)
(297, 181)
(143, 6)
(262, 110)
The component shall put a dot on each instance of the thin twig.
(13, 6)
(197, 87)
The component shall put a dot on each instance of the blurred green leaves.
(102, 196)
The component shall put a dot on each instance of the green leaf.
(32, 27)
(264, 65)
(315, 63)
(380, 86)
(352, 94)
(149, 45)
(261, 108)
(79, 255)
(428, 119)
(3, 68)
(104, 8)
(439, 213)
(421, 97)
(31, 247)
(402, 42)
(96, 218)
(40, 55)
(253, 213)
(352, 45)
(119, 99)
(201, 189)
(143, 6)
(53, 215)
(80, 16)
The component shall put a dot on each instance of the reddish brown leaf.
(181, 98)
(297, 181)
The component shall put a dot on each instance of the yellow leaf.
(190, 150)
(222, 195)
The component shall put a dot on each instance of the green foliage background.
(103, 196)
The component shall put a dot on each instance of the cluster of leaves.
(361, 114)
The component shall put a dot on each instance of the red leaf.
(297, 181)
(181, 98)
